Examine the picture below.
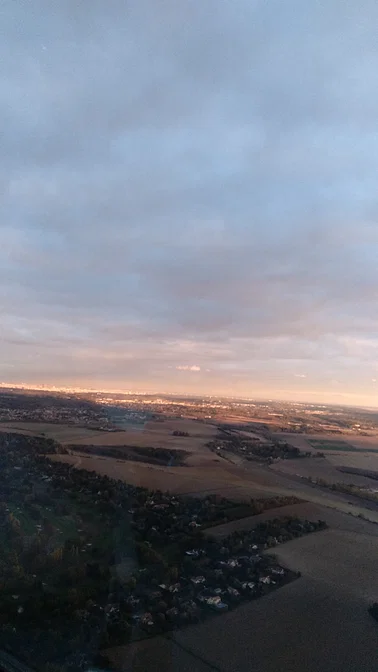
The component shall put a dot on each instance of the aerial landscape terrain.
(153, 528)
(189, 336)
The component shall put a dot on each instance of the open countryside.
(188, 336)
(221, 517)
(328, 604)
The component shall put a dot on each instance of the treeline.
(257, 506)
(249, 427)
(36, 444)
(159, 456)
(347, 489)
(359, 472)
(272, 532)
(254, 449)
(284, 451)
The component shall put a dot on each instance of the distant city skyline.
(188, 197)
(352, 402)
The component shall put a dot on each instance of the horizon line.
(86, 390)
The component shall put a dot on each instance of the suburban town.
(118, 563)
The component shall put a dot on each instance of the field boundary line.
(197, 656)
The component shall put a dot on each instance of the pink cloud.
(188, 368)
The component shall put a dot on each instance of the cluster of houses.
(163, 518)
(212, 581)
(18, 408)
(215, 576)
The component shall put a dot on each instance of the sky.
(188, 196)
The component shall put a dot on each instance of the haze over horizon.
(188, 197)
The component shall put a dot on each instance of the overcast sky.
(189, 196)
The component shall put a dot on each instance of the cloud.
(194, 367)
(190, 182)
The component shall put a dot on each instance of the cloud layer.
(191, 182)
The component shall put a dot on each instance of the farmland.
(152, 433)
(328, 442)
(317, 623)
(159, 434)
(115, 562)
(236, 481)
(223, 480)
(205, 471)
(361, 459)
(343, 446)
(308, 625)
(64, 433)
(351, 450)
(329, 599)
(322, 469)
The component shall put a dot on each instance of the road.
(289, 484)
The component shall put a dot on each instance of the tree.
(73, 596)
(102, 661)
(131, 583)
(120, 631)
(173, 573)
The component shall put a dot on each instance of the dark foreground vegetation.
(373, 610)
(87, 562)
(33, 444)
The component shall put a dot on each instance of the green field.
(326, 444)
